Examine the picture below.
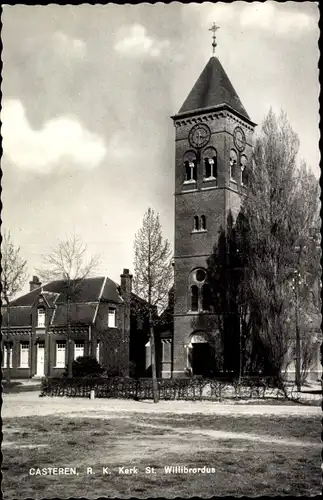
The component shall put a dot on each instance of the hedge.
(189, 389)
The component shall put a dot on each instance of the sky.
(87, 96)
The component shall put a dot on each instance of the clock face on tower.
(239, 139)
(199, 135)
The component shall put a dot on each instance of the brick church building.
(105, 322)
(213, 144)
(213, 147)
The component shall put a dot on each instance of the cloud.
(267, 16)
(62, 139)
(221, 13)
(119, 148)
(68, 47)
(137, 43)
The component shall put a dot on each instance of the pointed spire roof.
(213, 88)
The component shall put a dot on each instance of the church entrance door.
(202, 357)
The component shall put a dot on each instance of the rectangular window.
(112, 318)
(98, 351)
(194, 298)
(60, 354)
(41, 318)
(78, 349)
(5, 357)
(167, 351)
(24, 354)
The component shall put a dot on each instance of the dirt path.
(29, 403)
(213, 434)
(208, 433)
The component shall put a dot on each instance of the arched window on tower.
(210, 164)
(190, 171)
(206, 298)
(196, 223)
(244, 170)
(233, 165)
(203, 223)
(194, 298)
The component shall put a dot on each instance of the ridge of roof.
(89, 291)
(212, 88)
(99, 299)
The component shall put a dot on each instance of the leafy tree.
(13, 277)
(68, 262)
(251, 269)
(226, 270)
(281, 209)
(153, 275)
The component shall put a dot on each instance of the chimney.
(34, 283)
(126, 284)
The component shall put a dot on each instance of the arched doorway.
(202, 359)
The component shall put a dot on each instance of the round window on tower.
(200, 275)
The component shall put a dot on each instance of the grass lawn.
(285, 461)
(14, 387)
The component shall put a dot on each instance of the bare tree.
(13, 277)
(68, 262)
(281, 209)
(153, 275)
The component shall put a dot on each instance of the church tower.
(213, 145)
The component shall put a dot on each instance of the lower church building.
(104, 322)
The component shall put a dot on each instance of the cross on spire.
(214, 29)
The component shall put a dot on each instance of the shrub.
(189, 389)
(85, 366)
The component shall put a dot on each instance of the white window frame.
(98, 351)
(166, 350)
(41, 324)
(112, 317)
(5, 357)
(78, 349)
(60, 363)
(24, 347)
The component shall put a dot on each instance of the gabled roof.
(213, 88)
(50, 298)
(83, 306)
(19, 316)
(111, 292)
(82, 314)
(89, 291)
